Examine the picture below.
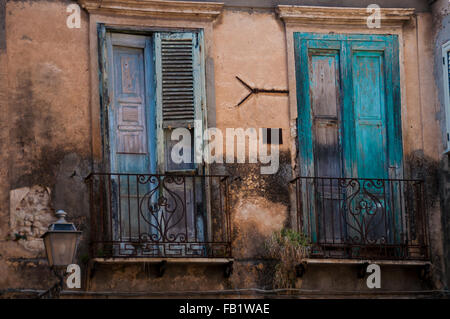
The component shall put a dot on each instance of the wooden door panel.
(325, 107)
(131, 133)
(369, 114)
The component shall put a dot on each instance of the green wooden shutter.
(180, 88)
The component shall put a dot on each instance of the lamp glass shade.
(60, 247)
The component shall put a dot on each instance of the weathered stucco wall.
(260, 203)
(46, 129)
(49, 100)
(441, 28)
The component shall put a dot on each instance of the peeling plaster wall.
(260, 204)
(424, 156)
(45, 85)
(45, 133)
(30, 213)
(441, 28)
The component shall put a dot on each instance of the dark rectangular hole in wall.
(268, 137)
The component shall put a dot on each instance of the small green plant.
(19, 237)
(289, 248)
(100, 252)
(84, 258)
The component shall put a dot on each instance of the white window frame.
(446, 73)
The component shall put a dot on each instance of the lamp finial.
(61, 214)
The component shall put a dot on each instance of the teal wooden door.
(369, 115)
(349, 127)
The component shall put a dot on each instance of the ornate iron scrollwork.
(364, 209)
(162, 208)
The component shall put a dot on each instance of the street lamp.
(60, 242)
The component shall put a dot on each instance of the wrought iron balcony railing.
(139, 215)
(363, 218)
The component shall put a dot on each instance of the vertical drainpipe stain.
(2, 25)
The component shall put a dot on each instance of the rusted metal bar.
(258, 91)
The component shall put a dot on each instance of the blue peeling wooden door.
(349, 126)
(154, 84)
(130, 135)
(132, 116)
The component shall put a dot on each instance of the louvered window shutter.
(179, 88)
(178, 71)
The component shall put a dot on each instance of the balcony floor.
(339, 261)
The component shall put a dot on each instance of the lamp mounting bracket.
(258, 91)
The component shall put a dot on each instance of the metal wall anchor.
(257, 91)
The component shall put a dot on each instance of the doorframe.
(200, 16)
(105, 89)
(347, 21)
(338, 20)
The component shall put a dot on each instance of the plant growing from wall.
(84, 258)
(289, 247)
